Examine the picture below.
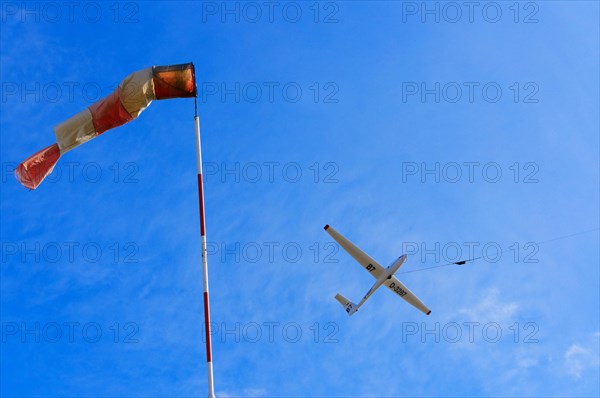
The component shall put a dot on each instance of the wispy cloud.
(246, 392)
(491, 308)
(583, 357)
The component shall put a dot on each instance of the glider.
(382, 275)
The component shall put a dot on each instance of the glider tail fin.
(348, 305)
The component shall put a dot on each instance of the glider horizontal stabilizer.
(348, 305)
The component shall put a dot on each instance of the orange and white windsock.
(133, 95)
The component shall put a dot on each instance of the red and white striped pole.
(211, 388)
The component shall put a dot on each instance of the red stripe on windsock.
(109, 112)
(35, 168)
(201, 204)
(174, 81)
(207, 327)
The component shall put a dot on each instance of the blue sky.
(312, 113)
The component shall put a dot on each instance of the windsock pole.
(211, 388)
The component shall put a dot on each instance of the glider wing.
(398, 287)
(363, 258)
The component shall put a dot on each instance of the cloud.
(579, 358)
(527, 362)
(247, 392)
(491, 308)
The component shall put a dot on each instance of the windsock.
(133, 95)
